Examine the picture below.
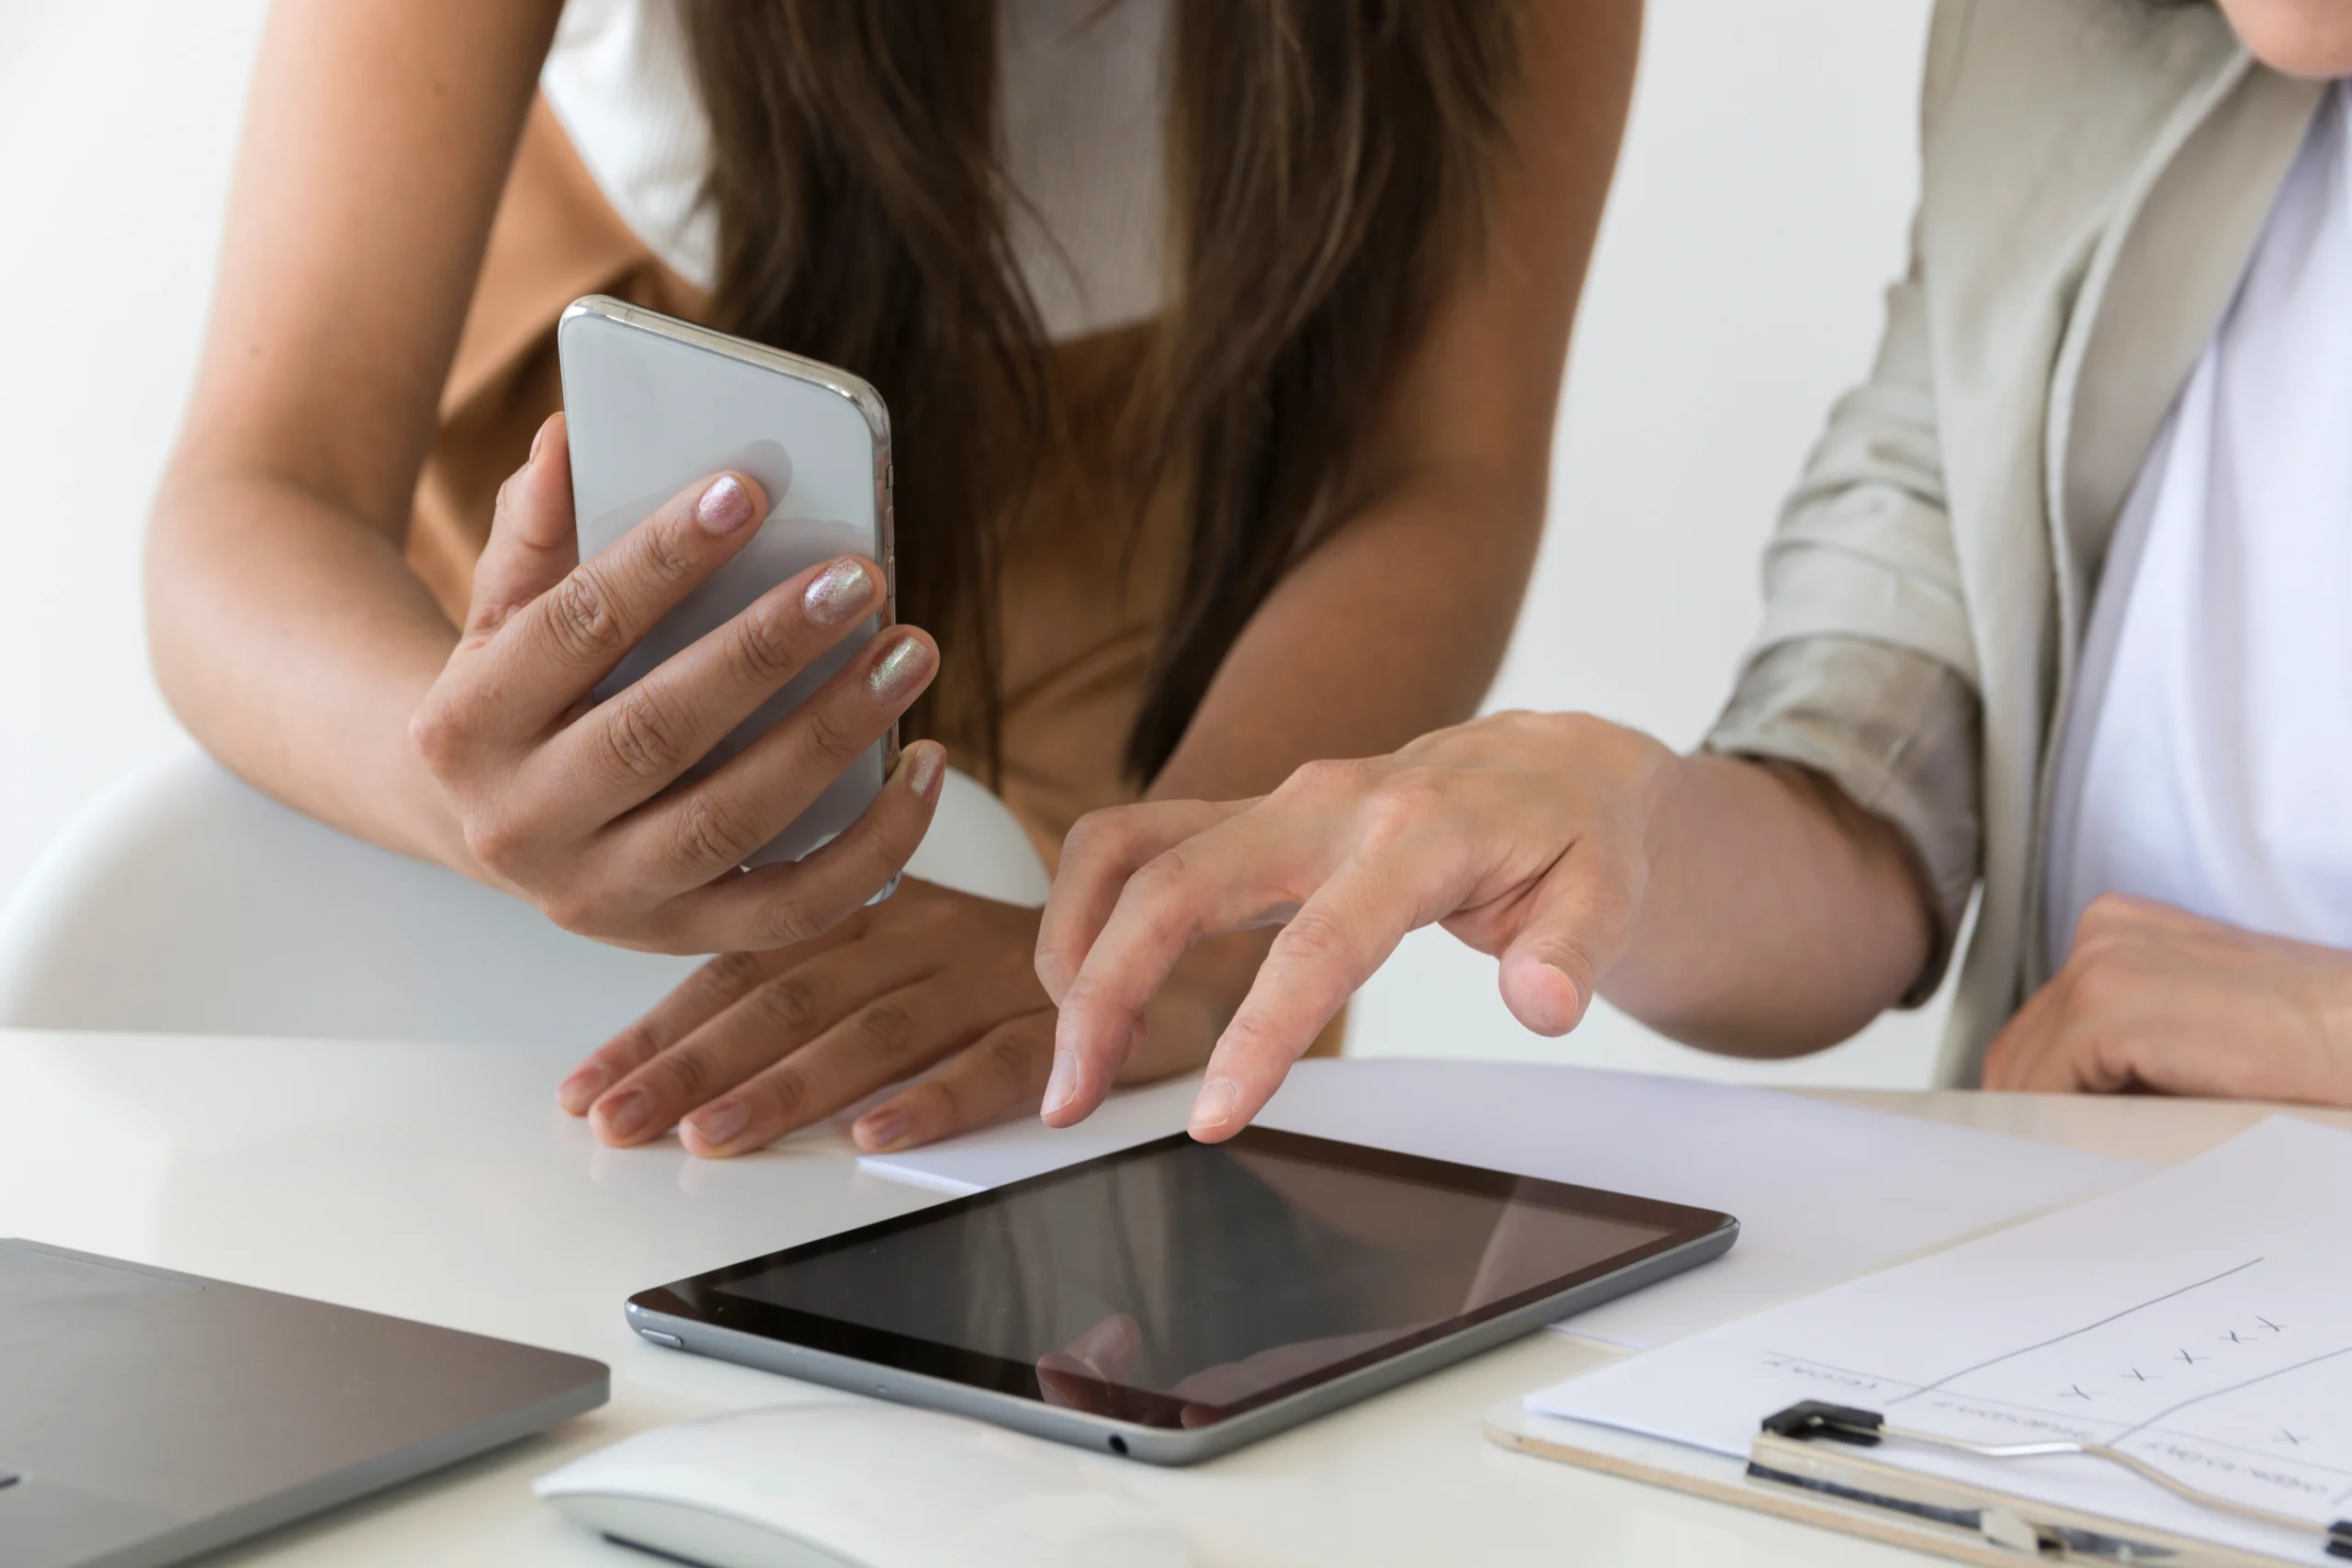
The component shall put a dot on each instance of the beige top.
(1081, 111)
(2095, 175)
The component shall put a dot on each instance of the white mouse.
(864, 1485)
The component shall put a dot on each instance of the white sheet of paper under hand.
(1823, 1192)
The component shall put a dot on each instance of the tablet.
(1178, 1299)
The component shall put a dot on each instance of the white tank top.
(2208, 758)
(1081, 108)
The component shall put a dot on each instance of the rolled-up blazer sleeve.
(1865, 669)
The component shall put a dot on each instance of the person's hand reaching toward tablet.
(1525, 835)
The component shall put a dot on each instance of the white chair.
(185, 901)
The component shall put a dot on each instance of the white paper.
(1013, 1151)
(1823, 1192)
(2200, 1319)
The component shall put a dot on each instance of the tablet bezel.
(701, 1314)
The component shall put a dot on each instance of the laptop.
(148, 1416)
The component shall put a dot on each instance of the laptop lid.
(147, 1417)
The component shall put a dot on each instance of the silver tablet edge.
(1158, 1445)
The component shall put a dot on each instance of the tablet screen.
(1179, 1283)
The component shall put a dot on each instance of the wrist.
(429, 827)
(1664, 797)
(1667, 799)
(2328, 1005)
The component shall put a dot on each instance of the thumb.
(1577, 922)
(533, 542)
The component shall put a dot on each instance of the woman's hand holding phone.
(569, 802)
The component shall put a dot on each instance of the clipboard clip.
(1814, 1420)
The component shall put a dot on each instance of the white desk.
(440, 1183)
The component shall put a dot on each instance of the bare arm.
(1779, 918)
(292, 637)
(287, 632)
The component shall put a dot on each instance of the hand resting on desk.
(754, 1046)
(2154, 998)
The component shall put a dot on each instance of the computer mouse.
(859, 1485)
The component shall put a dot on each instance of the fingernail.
(882, 1130)
(725, 506)
(1062, 1088)
(1213, 1108)
(716, 1125)
(579, 1091)
(626, 1114)
(540, 440)
(925, 768)
(901, 672)
(838, 593)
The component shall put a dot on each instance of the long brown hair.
(1328, 172)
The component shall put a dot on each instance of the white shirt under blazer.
(2208, 756)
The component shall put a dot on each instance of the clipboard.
(1845, 1489)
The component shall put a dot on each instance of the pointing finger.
(1320, 958)
(1102, 852)
(1236, 875)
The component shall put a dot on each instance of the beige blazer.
(2095, 175)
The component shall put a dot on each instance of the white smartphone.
(654, 403)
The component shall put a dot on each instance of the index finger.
(1232, 876)
(550, 653)
(1102, 852)
(1324, 954)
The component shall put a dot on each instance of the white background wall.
(1759, 209)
